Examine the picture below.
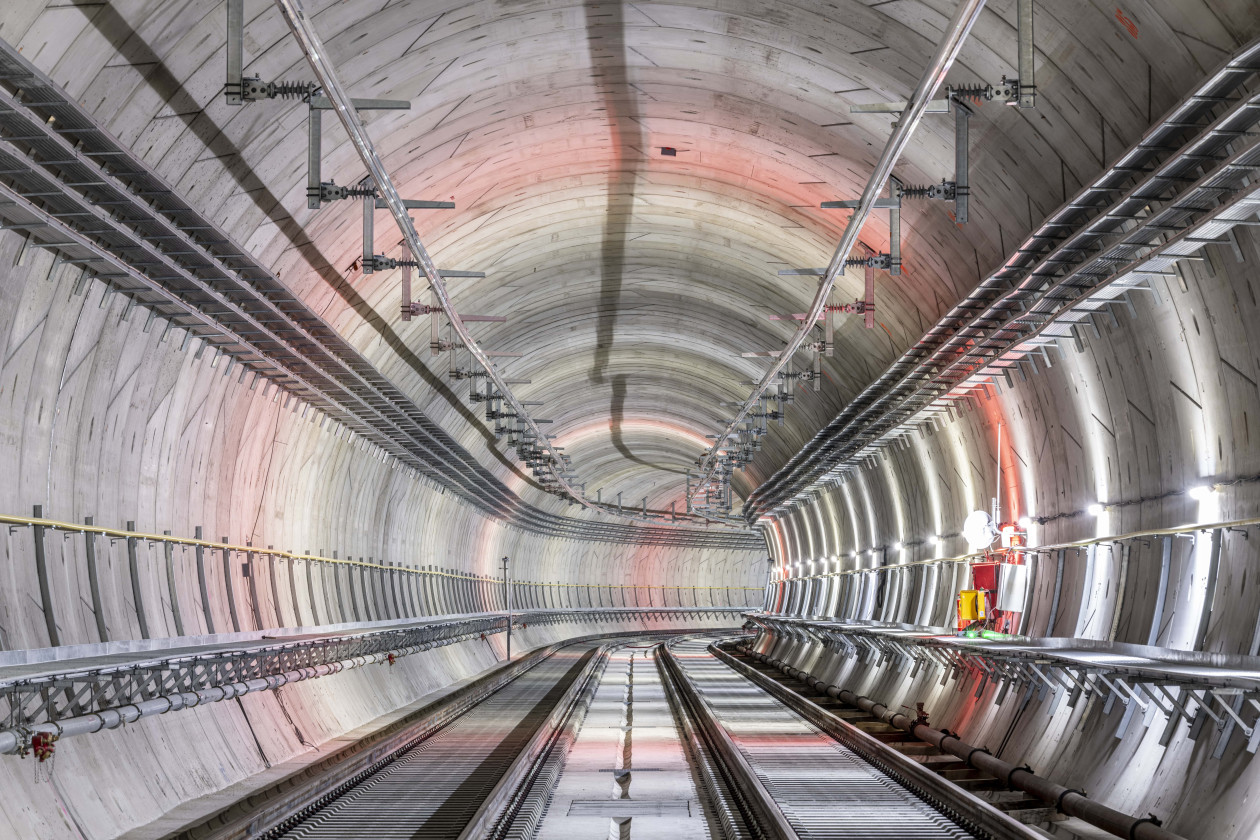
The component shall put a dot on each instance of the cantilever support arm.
(317, 56)
(956, 32)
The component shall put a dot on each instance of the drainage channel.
(795, 780)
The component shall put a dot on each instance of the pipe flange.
(948, 735)
(1149, 818)
(1058, 802)
(984, 750)
(1015, 770)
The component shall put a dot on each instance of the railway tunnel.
(659, 419)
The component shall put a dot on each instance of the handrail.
(119, 533)
(964, 558)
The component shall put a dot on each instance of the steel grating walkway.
(433, 790)
(826, 791)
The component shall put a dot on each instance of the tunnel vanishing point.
(580, 418)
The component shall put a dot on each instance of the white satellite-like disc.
(978, 530)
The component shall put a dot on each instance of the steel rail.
(760, 809)
(912, 774)
(335, 773)
(316, 55)
(955, 34)
(725, 801)
(1040, 254)
(517, 804)
(453, 786)
(1070, 801)
(805, 783)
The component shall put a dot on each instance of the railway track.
(740, 764)
(447, 786)
(793, 780)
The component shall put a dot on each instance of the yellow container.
(971, 605)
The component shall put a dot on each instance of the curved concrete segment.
(631, 179)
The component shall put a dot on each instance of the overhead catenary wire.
(956, 32)
(316, 55)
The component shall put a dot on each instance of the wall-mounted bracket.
(332, 191)
(893, 205)
(240, 89)
(318, 190)
(1020, 92)
(865, 306)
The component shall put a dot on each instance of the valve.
(921, 717)
(390, 658)
(43, 745)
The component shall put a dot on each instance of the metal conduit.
(211, 288)
(1072, 802)
(317, 56)
(956, 32)
(1039, 253)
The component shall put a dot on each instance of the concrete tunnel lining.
(633, 281)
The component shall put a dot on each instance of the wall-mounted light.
(1095, 509)
(896, 546)
(1025, 522)
(1201, 491)
(934, 541)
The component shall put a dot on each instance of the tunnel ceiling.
(632, 280)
